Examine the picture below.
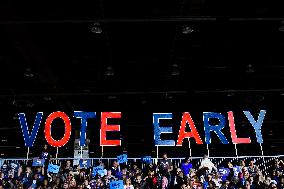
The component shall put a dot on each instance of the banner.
(222, 121)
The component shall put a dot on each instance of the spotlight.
(30, 105)
(111, 97)
(96, 28)
(47, 98)
(175, 70)
(281, 28)
(15, 117)
(249, 68)
(28, 73)
(109, 71)
(229, 94)
(144, 102)
(187, 30)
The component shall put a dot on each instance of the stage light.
(109, 71)
(47, 98)
(144, 102)
(249, 68)
(30, 105)
(187, 30)
(111, 97)
(175, 70)
(281, 28)
(28, 73)
(96, 28)
(15, 117)
(229, 94)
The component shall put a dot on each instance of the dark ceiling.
(140, 57)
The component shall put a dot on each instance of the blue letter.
(256, 124)
(159, 130)
(216, 128)
(29, 139)
(84, 116)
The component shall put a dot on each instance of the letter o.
(47, 129)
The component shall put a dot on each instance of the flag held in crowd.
(122, 158)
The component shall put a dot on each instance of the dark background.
(140, 57)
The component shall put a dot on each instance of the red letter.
(186, 118)
(47, 129)
(105, 127)
(235, 139)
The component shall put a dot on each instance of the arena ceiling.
(140, 57)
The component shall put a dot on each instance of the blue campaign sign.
(116, 184)
(224, 172)
(237, 170)
(38, 162)
(97, 170)
(53, 168)
(14, 166)
(122, 158)
(101, 172)
(85, 163)
(147, 159)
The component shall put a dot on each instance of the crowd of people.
(163, 175)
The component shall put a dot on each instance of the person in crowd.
(186, 166)
(24, 176)
(138, 181)
(206, 164)
(45, 154)
(252, 168)
(115, 169)
(166, 167)
(178, 181)
(128, 184)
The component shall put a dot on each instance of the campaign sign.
(97, 170)
(53, 168)
(85, 163)
(38, 162)
(147, 159)
(122, 158)
(116, 184)
(101, 172)
(14, 166)
(237, 170)
(224, 172)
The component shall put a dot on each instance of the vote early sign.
(209, 128)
